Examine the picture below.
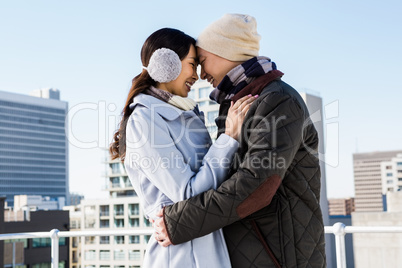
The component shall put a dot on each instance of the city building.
(33, 145)
(200, 93)
(32, 252)
(316, 110)
(341, 206)
(375, 250)
(75, 199)
(391, 175)
(74, 242)
(367, 169)
(120, 211)
(37, 202)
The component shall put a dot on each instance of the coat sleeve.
(274, 133)
(152, 151)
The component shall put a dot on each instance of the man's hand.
(160, 230)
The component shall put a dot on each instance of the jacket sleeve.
(153, 152)
(273, 133)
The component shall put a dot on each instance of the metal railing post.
(54, 234)
(339, 232)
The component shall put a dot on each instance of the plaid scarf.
(240, 76)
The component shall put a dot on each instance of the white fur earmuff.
(164, 65)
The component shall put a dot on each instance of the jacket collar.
(164, 109)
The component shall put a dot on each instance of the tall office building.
(33, 145)
(316, 110)
(368, 182)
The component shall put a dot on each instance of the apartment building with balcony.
(200, 94)
(118, 212)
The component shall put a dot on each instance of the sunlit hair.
(173, 39)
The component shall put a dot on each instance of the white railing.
(338, 229)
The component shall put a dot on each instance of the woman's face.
(188, 76)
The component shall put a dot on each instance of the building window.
(134, 255)
(399, 163)
(104, 255)
(191, 94)
(90, 255)
(134, 222)
(119, 223)
(389, 174)
(118, 210)
(204, 92)
(46, 242)
(119, 239)
(115, 168)
(115, 182)
(24, 241)
(134, 239)
(104, 224)
(75, 242)
(203, 103)
(104, 240)
(147, 223)
(134, 209)
(75, 224)
(119, 255)
(146, 238)
(212, 116)
(104, 210)
(90, 240)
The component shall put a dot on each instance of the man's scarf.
(240, 76)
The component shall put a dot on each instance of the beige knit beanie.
(233, 37)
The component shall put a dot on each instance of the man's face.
(213, 67)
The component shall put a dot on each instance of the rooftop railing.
(338, 229)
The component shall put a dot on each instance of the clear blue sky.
(347, 51)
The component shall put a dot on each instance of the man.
(269, 206)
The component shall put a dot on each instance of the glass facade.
(33, 147)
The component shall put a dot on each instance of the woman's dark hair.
(173, 39)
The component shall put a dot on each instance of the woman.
(166, 148)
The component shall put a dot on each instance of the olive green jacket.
(269, 207)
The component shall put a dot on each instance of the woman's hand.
(160, 230)
(236, 114)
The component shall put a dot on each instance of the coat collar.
(164, 109)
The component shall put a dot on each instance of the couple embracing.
(249, 199)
